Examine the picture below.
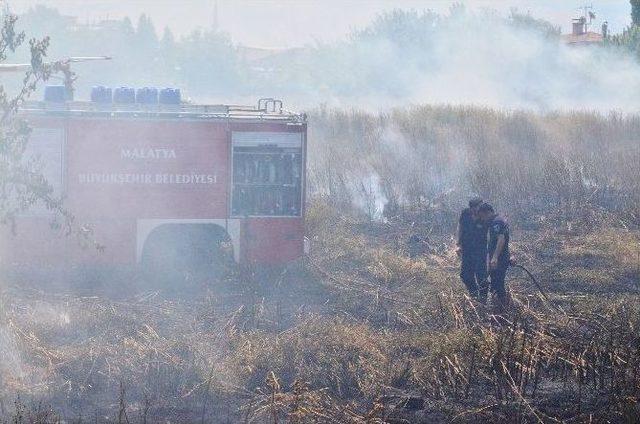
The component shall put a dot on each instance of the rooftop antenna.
(588, 15)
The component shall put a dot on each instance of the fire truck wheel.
(185, 256)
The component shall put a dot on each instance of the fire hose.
(533, 279)
(539, 287)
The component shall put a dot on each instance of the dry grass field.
(362, 330)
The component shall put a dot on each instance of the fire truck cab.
(165, 183)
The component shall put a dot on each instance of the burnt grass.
(356, 332)
(370, 328)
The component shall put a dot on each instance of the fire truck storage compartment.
(267, 174)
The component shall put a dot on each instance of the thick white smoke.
(496, 64)
(471, 58)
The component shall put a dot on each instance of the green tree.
(22, 185)
(635, 12)
(208, 62)
(146, 32)
(541, 26)
(168, 40)
(168, 59)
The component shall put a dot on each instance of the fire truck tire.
(178, 256)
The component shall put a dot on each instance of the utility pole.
(215, 25)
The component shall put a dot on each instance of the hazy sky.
(290, 23)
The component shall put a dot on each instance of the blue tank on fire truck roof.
(147, 95)
(101, 94)
(124, 95)
(170, 96)
(55, 93)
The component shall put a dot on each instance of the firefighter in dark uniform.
(472, 248)
(498, 255)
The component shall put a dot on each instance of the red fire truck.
(166, 184)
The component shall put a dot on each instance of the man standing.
(472, 248)
(498, 257)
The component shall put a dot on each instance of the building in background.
(581, 34)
